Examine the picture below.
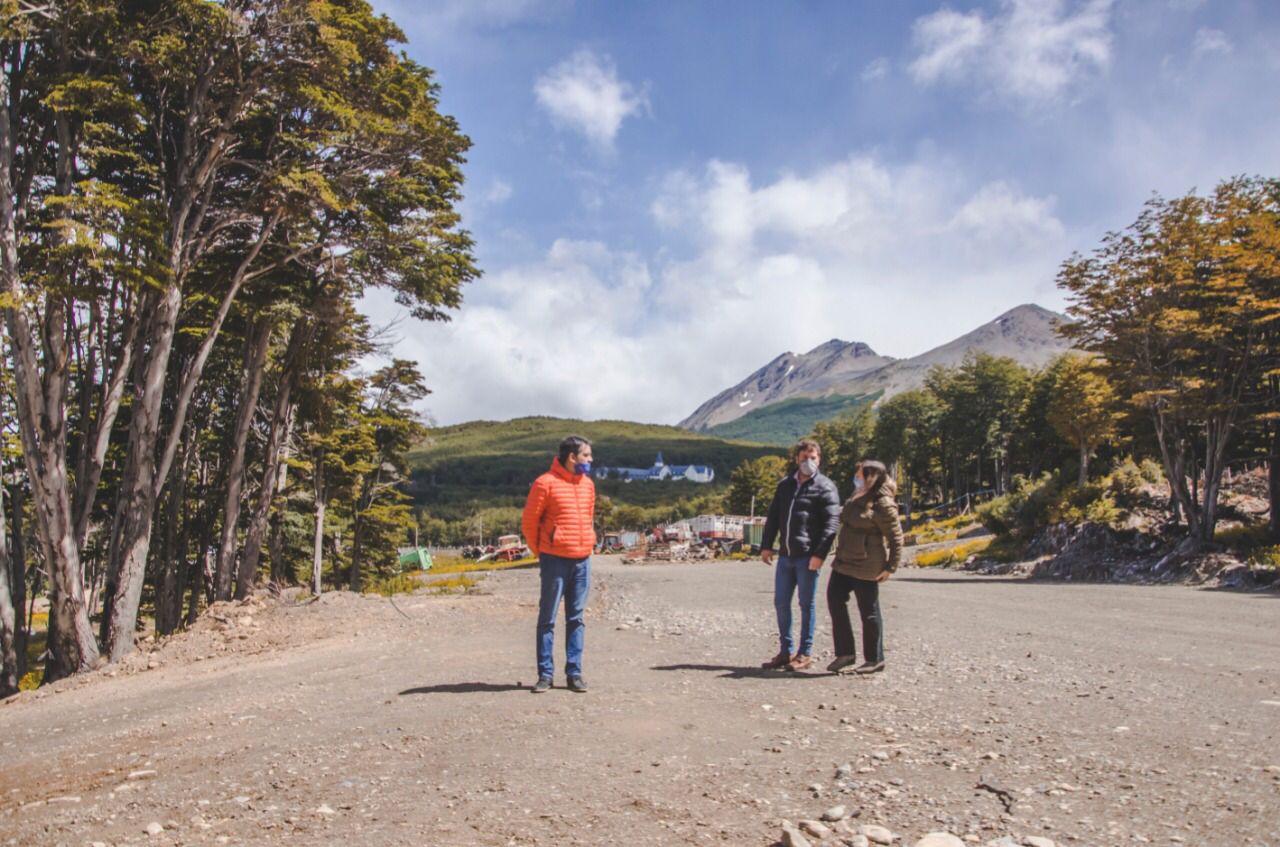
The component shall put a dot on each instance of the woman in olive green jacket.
(868, 550)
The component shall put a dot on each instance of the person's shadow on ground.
(463, 688)
(741, 672)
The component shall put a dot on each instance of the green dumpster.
(415, 559)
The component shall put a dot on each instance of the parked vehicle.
(509, 548)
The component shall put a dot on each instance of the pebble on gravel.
(858, 841)
(155, 828)
(792, 837)
(877, 834)
(1037, 841)
(835, 813)
(816, 828)
(325, 810)
(940, 839)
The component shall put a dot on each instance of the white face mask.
(809, 467)
(859, 483)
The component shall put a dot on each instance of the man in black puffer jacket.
(804, 517)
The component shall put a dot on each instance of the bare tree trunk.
(9, 619)
(173, 564)
(255, 365)
(1084, 464)
(1173, 457)
(317, 549)
(256, 531)
(18, 580)
(1273, 481)
(281, 424)
(131, 545)
(280, 572)
(42, 423)
(357, 554)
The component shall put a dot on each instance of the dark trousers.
(839, 587)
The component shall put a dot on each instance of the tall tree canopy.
(180, 180)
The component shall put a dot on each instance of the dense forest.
(193, 198)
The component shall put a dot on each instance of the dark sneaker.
(777, 662)
(542, 686)
(869, 667)
(842, 662)
(578, 684)
(800, 662)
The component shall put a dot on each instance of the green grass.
(943, 530)
(457, 565)
(451, 585)
(783, 423)
(951, 555)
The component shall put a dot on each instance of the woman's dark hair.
(571, 446)
(882, 479)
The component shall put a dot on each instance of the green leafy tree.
(906, 435)
(383, 516)
(754, 481)
(845, 440)
(1084, 408)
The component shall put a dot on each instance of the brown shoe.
(778, 662)
(800, 662)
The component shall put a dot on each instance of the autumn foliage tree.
(1083, 408)
(1179, 306)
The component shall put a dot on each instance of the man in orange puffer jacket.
(558, 526)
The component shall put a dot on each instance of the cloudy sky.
(667, 195)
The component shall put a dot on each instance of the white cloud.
(851, 250)
(498, 193)
(1211, 41)
(1032, 50)
(585, 94)
(876, 69)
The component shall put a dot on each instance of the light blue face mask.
(809, 467)
(582, 468)
(859, 483)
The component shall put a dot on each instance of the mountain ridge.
(1026, 333)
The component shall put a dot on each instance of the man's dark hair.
(805, 444)
(571, 445)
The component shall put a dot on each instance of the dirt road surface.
(1091, 714)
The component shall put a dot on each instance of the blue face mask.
(582, 468)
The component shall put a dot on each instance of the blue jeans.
(790, 573)
(570, 579)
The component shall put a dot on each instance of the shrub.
(1031, 505)
(1243, 539)
(1266, 557)
(402, 583)
(1127, 479)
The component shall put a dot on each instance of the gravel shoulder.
(1093, 714)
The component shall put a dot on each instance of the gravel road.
(1089, 714)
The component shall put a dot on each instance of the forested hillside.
(782, 423)
(461, 471)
